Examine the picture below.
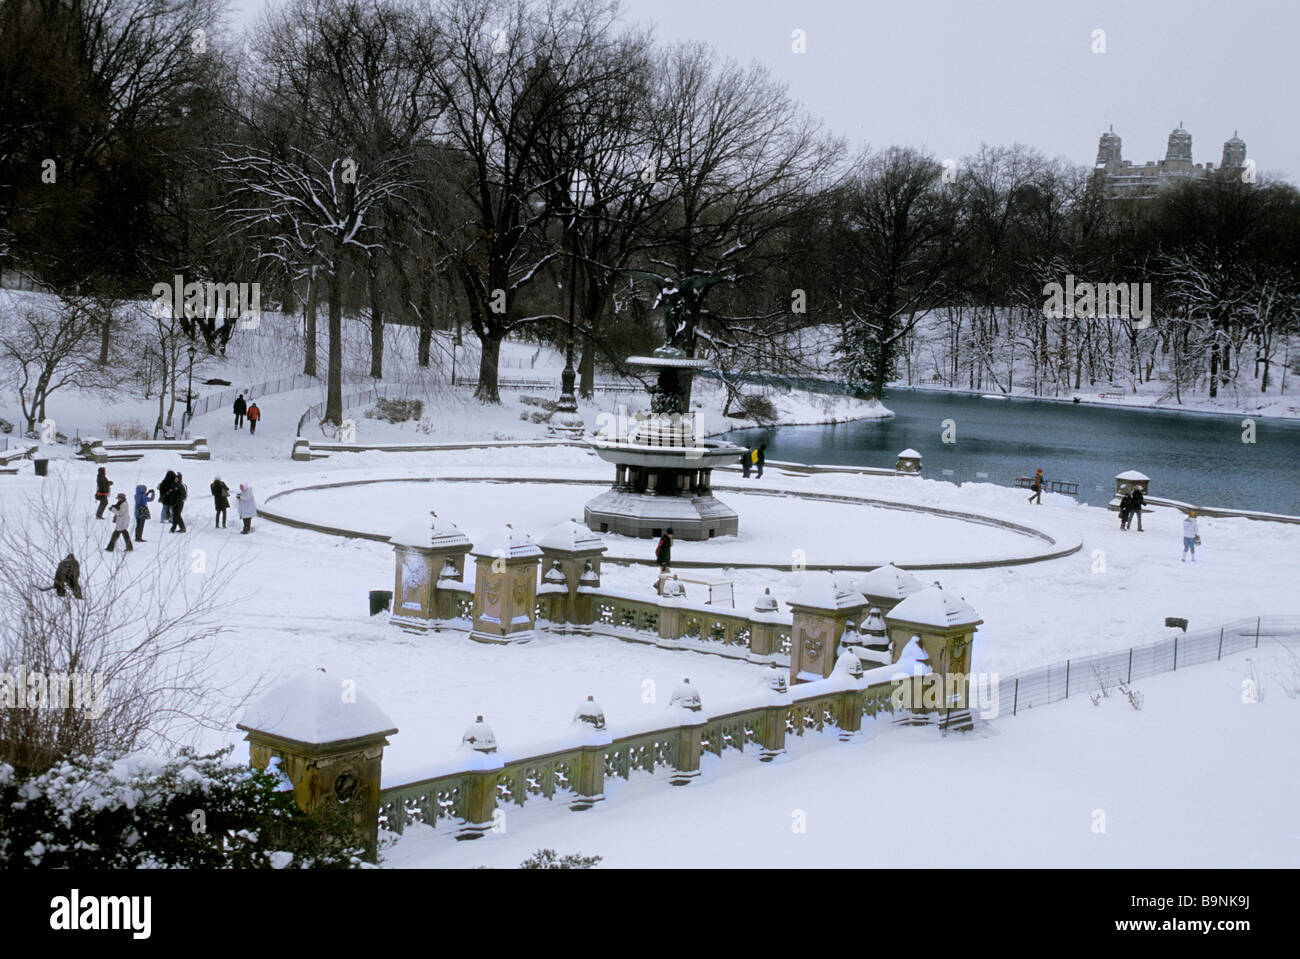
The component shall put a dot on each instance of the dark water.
(1196, 457)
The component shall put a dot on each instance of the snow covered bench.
(9, 458)
(128, 451)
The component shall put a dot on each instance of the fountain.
(662, 466)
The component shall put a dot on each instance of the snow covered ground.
(1022, 791)
(1068, 785)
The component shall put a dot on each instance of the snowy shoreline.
(1083, 400)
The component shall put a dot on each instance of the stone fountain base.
(647, 515)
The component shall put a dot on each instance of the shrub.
(547, 859)
(757, 408)
(126, 430)
(396, 411)
(132, 810)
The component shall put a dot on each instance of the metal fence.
(1090, 674)
(226, 397)
(350, 401)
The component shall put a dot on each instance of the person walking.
(221, 500)
(1125, 510)
(121, 523)
(142, 498)
(180, 493)
(1136, 510)
(247, 507)
(1037, 486)
(165, 495)
(102, 485)
(664, 557)
(744, 462)
(254, 416)
(760, 457)
(240, 409)
(1191, 536)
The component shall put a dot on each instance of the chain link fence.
(1090, 674)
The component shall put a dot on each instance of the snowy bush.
(134, 811)
(126, 430)
(757, 408)
(547, 859)
(396, 411)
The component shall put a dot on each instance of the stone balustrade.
(465, 798)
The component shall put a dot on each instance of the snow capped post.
(505, 588)
(909, 463)
(944, 626)
(577, 552)
(1126, 483)
(685, 702)
(329, 739)
(820, 607)
(479, 748)
(429, 557)
(589, 772)
(887, 586)
(765, 623)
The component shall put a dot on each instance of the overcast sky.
(946, 75)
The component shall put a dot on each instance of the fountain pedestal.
(662, 465)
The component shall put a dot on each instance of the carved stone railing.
(575, 769)
(677, 624)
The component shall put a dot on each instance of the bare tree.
(739, 161)
(50, 348)
(144, 628)
(314, 211)
(892, 236)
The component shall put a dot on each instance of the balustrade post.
(589, 773)
(771, 725)
(479, 810)
(686, 701)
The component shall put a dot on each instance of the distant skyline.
(946, 75)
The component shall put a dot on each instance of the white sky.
(946, 75)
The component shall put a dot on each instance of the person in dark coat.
(165, 495)
(179, 495)
(664, 551)
(760, 457)
(220, 500)
(1125, 510)
(254, 417)
(102, 485)
(1139, 501)
(67, 578)
(744, 462)
(240, 409)
(143, 497)
(1037, 486)
(121, 524)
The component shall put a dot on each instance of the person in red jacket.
(254, 414)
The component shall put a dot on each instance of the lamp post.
(189, 388)
(568, 403)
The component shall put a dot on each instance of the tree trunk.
(334, 384)
(587, 369)
(105, 336)
(488, 364)
(309, 307)
(426, 342)
(376, 323)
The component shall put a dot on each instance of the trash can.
(380, 600)
(42, 467)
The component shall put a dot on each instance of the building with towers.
(1124, 181)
